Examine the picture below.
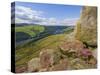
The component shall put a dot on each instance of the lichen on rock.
(86, 28)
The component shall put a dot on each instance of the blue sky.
(47, 14)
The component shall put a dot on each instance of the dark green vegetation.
(27, 31)
(35, 32)
(31, 30)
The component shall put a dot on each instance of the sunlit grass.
(31, 29)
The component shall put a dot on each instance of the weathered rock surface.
(34, 65)
(71, 46)
(49, 57)
(77, 64)
(21, 69)
(86, 28)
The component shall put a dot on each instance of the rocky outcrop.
(71, 48)
(86, 28)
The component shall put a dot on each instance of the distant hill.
(24, 24)
(27, 31)
(36, 32)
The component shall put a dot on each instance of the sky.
(46, 14)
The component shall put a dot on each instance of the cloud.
(27, 15)
(71, 21)
(21, 10)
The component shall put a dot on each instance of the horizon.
(26, 24)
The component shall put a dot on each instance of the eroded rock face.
(69, 47)
(86, 28)
(48, 57)
(34, 65)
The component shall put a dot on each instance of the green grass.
(30, 30)
(32, 50)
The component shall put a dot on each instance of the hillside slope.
(32, 49)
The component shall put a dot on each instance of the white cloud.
(71, 21)
(27, 10)
(52, 21)
(48, 21)
(30, 16)
(25, 13)
(18, 20)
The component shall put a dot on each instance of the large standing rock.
(49, 57)
(34, 65)
(86, 28)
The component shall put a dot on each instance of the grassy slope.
(31, 29)
(26, 53)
